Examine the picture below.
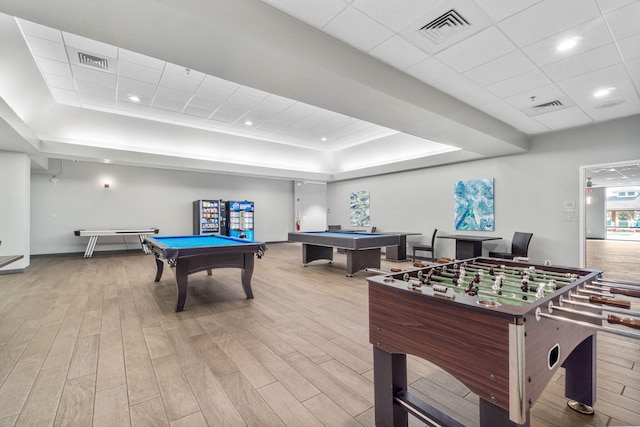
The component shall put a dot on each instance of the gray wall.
(532, 191)
(311, 205)
(143, 197)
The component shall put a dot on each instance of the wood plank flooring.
(96, 342)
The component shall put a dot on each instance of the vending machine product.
(239, 219)
(206, 216)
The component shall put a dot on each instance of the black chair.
(427, 248)
(519, 247)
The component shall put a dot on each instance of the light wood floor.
(96, 342)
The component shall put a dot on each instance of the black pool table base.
(356, 259)
(189, 265)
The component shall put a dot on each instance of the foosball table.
(502, 328)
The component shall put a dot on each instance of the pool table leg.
(182, 277)
(160, 269)
(246, 274)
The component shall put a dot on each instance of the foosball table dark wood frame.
(505, 354)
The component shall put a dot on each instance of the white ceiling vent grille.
(548, 107)
(445, 26)
(93, 61)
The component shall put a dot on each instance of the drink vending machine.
(206, 216)
(239, 219)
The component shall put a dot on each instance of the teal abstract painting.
(359, 207)
(474, 205)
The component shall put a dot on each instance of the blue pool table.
(362, 249)
(191, 254)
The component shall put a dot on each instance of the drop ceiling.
(332, 90)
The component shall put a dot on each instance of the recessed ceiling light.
(568, 43)
(248, 122)
(323, 138)
(602, 92)
(134, 98)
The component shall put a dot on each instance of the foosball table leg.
(494, 416)
(580, 372)
(390, 376)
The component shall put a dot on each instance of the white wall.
(14, 208)
(531, 191)
(143, 197)
(311, 205)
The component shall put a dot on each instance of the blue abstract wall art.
(359, 206)
(474, 205)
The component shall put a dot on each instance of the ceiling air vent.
(548, 107)
(445, 26)
(93, 61)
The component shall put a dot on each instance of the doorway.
(610, 218)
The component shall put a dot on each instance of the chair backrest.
(334, 227)
(520, 243)
(433, 238)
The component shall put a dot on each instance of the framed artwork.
(359, 207)
(474, 205)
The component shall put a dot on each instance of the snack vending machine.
(239, 219)
(206, 216)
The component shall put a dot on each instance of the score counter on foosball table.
(502, 328)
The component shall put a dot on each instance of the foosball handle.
(627, 292)
(609, 301)
(632, 323)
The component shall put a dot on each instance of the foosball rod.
(622, 282)
(488, 283)
(462, 288)
(601, 300)
(622, 332)
(627, 311)
(629, 322)
(555, 274)
(513, 278)
(617, 290)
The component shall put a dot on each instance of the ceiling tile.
(476, 50)
(97, 101)
(611, 5)
(96, 77)
(576, 65)
(47, 49)
(186, 73)
(205, 103)
(593, 34)
(124, 96)
(90, 46)
(59, 82)
(603, 112)
(563, 119)
(501, 9)
(620, 23)
(197, 111)
(91, 89)
(396, 14)
(457, 85)
(518, 84)
(398, 52)
(586, 84)
(139, 72)
(216, 81)
(633, 67)
(40, 31)
(547, 18)
(139, 59)
(506, 66)
(167, 104)
(477, 98)
(241, 99)
(131, 107)
(245, 90)
(135, 87)
(171, 81)
(357, 29)
(536, 96)
(173, 95)
(630, 47)
(215, 93)
(502, 111)
(431, 71)
(312, 11)
(65, 96)
(56, 68)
